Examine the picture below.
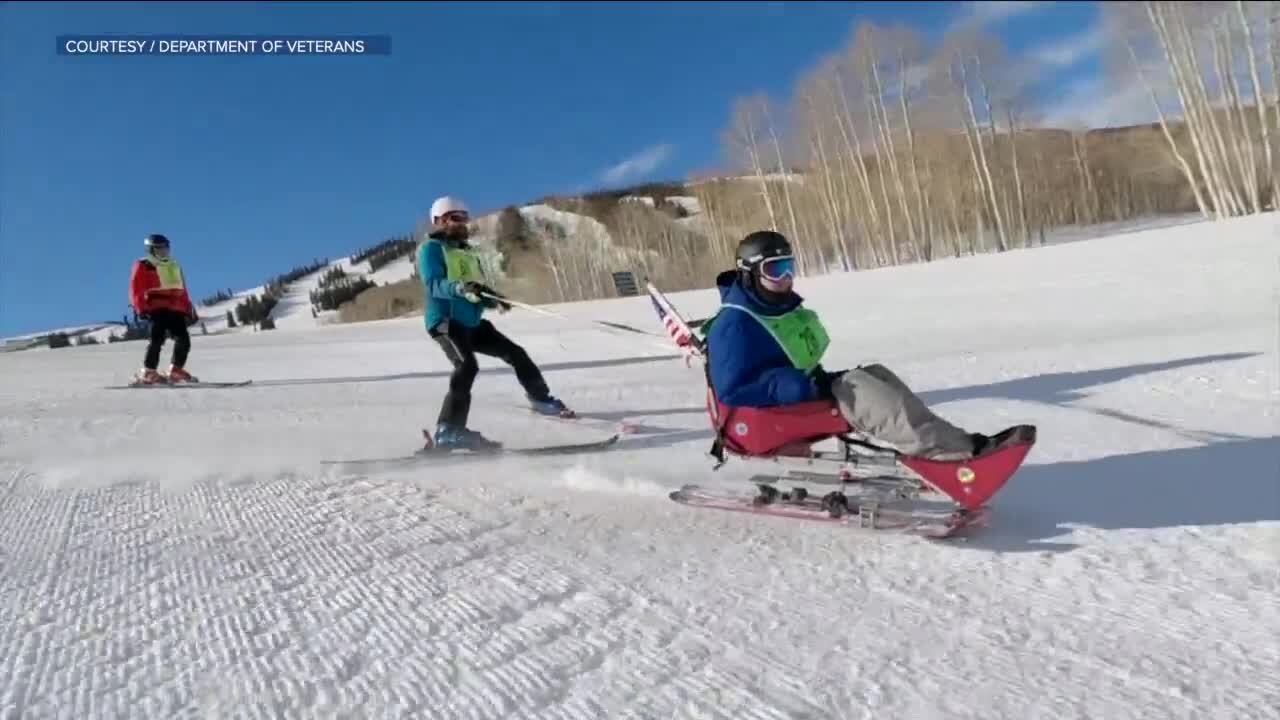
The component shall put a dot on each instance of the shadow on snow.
(1229, 479)
(1224, 483)
(498, 370)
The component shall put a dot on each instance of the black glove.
(823, 380)
(497, 301)
(479, 293)
(471, 291)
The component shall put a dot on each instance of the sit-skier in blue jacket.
(765, 350)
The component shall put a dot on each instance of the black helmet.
(761, 255)
(156, 240)
(760, 246)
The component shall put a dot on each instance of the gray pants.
(880, 405)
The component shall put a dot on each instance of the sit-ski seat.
(791, 431)
(782, 431)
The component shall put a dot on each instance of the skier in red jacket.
(158, 293)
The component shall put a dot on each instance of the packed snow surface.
(183, 553)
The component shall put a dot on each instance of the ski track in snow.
(180, 553)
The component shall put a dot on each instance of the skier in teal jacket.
(455, 299)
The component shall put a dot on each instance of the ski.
(181, 385)
(901, 486)
(866, 511)
(574, 417)
(434, 455)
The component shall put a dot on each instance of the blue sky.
(252, 164)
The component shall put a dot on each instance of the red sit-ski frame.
(790, 431)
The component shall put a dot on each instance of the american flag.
(676, 328)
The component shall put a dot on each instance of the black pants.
(461, 345)
(168, 322)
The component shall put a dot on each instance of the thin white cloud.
(1093, 103)
(1064, 52)
(979, 14)
(638, 165)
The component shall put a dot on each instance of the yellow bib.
(462, 266)
(170, 273)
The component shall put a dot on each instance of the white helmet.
(445, 205)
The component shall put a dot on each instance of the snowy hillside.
(182, 552)
(568, 237)
(563, 230)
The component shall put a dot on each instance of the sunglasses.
(778, 268)
(456, 217)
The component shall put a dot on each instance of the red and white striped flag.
(675, 326)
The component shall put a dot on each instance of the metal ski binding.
(835, 503)
(767, 496)
(796, 495)
(867, 513)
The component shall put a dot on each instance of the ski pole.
(609, 325)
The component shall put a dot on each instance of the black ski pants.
(460, 345)
(167, 323)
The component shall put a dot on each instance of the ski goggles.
(778, 268)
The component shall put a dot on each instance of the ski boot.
(550, 406)
(178, 375)
(449, 439)
(147, 376)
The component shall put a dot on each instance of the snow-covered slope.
(294, 311)
(294, 308)
(173, 553)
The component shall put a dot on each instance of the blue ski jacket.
(747, 366)
(443, 269)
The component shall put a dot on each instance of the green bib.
(462, 266)
(799, 333)
(170, 273)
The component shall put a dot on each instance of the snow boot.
(449, 438)
(981, 443)
(178, 375)
(551, 406)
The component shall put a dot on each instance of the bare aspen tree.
(874, 63)
(745, 134)
(855, 198)
(1019, 191)
(786, 175)
(910, 58)
(870, 92)
(1170, 22)
(1125, 26)
(811, 112)
(1272, 25)
(1087, 206)
(844, 83)
(1260, 103)
(1236, 135)
(1191, 117)
(958, 58)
